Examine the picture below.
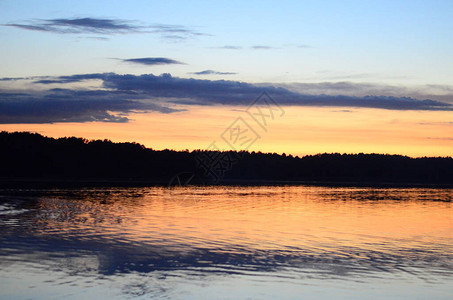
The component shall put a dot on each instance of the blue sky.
(392, 42)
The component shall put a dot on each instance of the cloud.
(229, 47)
(105, 27)
(208, 92)
(351, 76)
(213, 92)
(434, 92)
(152, 61)
(174, 30)
(343, 110)
(440, 138)
(64, 105)
(13, 78)
(260, 47)
(72, 78)
(211, 72)
(303, 46)
(300, 46)
(81, 25)
(436, 123)
(99, 38)
(120, 95)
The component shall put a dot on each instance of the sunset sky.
(344, 76)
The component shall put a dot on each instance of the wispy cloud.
(71, 78)
(103, 26)
(261, 47)
(228, 47)
(436, 123)
(99, 38)
(81, 25)
(174, 30)
(152, 61)
(435, 92)
(212, 72)
(120, 95)
(343, 110)
(13, 78)
(440, 138)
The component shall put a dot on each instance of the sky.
(300, 77)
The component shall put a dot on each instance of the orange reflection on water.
(307, 219)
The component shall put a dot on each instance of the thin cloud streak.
(212, 72)
(228, 47)
(149, 61)
(103, 26)
(442, 93)
(261, 47)
(81, 25)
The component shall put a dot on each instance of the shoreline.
(24, 183)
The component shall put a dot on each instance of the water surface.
(288, 242)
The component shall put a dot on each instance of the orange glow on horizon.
(301, 131)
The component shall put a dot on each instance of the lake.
(226, 242)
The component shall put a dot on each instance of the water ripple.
(263, 235)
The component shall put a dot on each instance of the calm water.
(226, 243)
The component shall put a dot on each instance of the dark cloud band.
(123, 94)
(65, 105)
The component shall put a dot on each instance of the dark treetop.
(31, 156)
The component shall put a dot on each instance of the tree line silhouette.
(25, 155)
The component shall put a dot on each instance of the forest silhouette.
(31, 156)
